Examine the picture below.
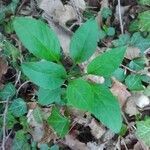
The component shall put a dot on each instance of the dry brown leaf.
(140, 146)
(132, 52)
(120, 90)
(37, 129)
(93, 3)
(51, 7)
(56, 9)
(57, 15)
(130, 107)
(3, 67)
(49, 134)
(80, 4)
(74, 144)
(141, 100)
(107, 136)
(64, 36)
(95, 146)
(123, 10)
(95, 79)
(97, 129)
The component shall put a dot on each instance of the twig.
(4, 125)
(21, 87)
(1, 102)
(18, 78)
(20, 7)
(125, 144)
(120, 17)
(128, 69)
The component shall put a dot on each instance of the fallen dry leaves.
(132, 52)
(3, 69)
(120, 90)
(97, 129)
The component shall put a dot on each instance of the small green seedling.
(60, 85)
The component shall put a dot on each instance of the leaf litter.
(58, 13)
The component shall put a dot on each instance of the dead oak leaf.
(56, 9)
(74, 143)
(97, 129)
(3, 67)
(132, 52)
(120, 90)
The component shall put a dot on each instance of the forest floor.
(121, 23)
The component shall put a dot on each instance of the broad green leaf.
(79, 94)
(106, 63)
(84, 41)
(45, 74)
(106, 108)
(137, 64)
(144, 21)
(144, 2)
(133, 82)
(18, 107)
(7, 92)
(10, 120)
(38, 38)
(46, 97)
(44, 147)
(143, 131)
(54, 147)
(108, 81)
(24, 122)
(119, 74)
(134, 26)
(58, 122)
(20, 141)
(145, 78)
(147, 91)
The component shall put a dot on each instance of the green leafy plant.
(143, 130)
(69, 86)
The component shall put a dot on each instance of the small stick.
(120, 17)
(4, 125)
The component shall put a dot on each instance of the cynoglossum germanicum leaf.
(58, 122)
(18, 107)
(46, 96)
(106, 63)
(84, 41)
(80, 95)
(38, 38)
(8, 91)
(144, 21)
(106, 108)
(143, 131)
(45, 74)
(133, 82)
